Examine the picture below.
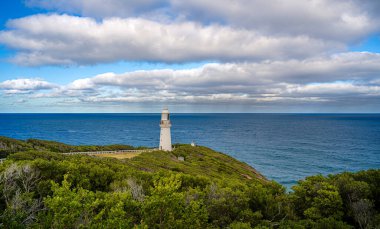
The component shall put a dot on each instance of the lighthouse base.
(165, 140)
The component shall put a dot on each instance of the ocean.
(283, 147)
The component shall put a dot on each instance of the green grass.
(198, 161)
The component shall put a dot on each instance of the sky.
(231, 56)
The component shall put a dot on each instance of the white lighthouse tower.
(165, 124)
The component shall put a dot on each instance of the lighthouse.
(165, 124)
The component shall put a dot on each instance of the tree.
(18, 183)
(363, 212)
(166, 207)
(70, 207)
(78, 207)
(315, 198)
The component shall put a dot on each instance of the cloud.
(22, 86)
(345, 21)
(334, 88)
(175, 31)
(257, 79)
(259, 53)
(81, 41)
(345, 78)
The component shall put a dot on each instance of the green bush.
(42, 189)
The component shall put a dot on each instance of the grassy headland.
(42, 188)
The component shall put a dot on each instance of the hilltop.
(190, 187)
(9, 146)
(196, 160)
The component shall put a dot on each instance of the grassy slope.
(198, 160)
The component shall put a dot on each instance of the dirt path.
(117, 155)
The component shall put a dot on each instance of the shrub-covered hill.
(10, 145)
(196, 161)
(44, 189)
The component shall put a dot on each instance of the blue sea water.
(283, 147)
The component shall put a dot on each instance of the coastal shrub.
(10, 145)
(315, 198)
(44, 189)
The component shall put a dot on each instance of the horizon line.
(190, 112)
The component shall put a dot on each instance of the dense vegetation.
(41, 188)
(10, 145)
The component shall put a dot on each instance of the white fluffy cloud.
(85, 41)
(256, 79)
(354, 67)
(182, 31)
(283, 82)
(345, 21)
(25, 86)
(259, 52)
(327, 19)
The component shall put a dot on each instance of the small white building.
(165, 137)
